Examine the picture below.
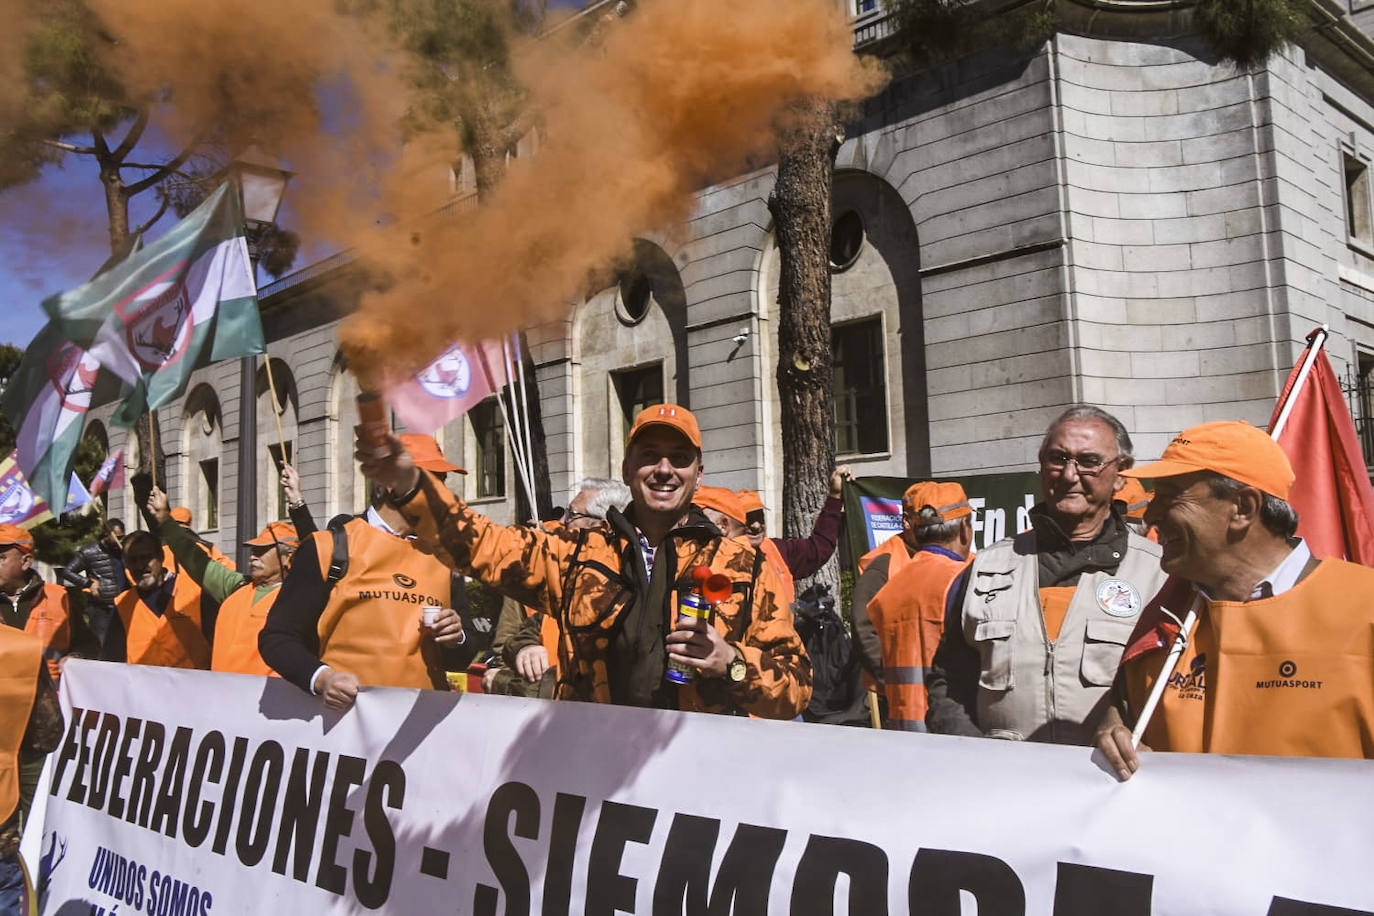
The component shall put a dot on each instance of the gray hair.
(607, 494)
(1276, 515)
(930, 528)
(1080, 412)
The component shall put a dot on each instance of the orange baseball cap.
(14, 536)
(181, 514)
(275, 533)
(671, 416)
(947, 499)
(751, 501)
(424, 451)
(1134, 497)
(1237, 450)
(722, 500)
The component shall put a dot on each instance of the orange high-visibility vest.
(172, 639)
(50, 620)
(20, 655)
(371, 625)
(909, 615)
(236, 632)
(893, 547)
(1289, 676)
(773, 556)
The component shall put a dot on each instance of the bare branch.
(170, 168)
(156, 216)
(133, 136)
(70, 147)
(102, 149)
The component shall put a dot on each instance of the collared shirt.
(1286, 574)
(373, 518)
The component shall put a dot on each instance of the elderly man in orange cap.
(30, 604)
(625, 636)
(1282, 659)
(363, 604)
(1033, 650)
(909, 612)
(243, 600)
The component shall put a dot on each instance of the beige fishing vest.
(1032, 688)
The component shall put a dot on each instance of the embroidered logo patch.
(1118, 598)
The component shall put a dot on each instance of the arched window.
(277, 434)
(203, 445)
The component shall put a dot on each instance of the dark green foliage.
(932, 31)
(485, 601)
(1246, 32)
(9, 361)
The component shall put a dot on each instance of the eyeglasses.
(1088, 465)
(569, 517)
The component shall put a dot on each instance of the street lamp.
(260, 182)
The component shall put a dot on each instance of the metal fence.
(1359, 395)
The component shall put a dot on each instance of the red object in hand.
(717, 588)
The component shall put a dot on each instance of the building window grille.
(860, 386)
(490, 439)
(846, 241)
(637, 389)
(1359, 392)
(1358, 222)
(209, 488)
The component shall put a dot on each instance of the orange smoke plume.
(677, 95)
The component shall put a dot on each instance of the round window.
(635, 290)
(846, 240)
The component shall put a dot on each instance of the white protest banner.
(194, 794)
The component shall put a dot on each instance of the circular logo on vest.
(1288, 669)
(1118, 598)
(403, 581)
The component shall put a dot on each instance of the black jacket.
(93, 563)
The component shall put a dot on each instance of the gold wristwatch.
(736, 670)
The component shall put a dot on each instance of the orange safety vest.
(50, 620)
(172, 639)
(1288, 676)
(236, 632)
(371, 625)
(20, 655)
(788, 592)
(909, 615)
(893, 547)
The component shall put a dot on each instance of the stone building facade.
(1114, 218)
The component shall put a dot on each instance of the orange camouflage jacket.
(613, 617)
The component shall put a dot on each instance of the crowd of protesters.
(656, 591)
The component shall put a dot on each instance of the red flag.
(457, 380)
(1332, 494)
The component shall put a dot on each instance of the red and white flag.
(111, 474)
(458, 379)
(1332, 494)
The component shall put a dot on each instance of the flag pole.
(505, 418)
(152, 442)
(521, 436)
(518, 364)
(276, 414)
(1315, 341)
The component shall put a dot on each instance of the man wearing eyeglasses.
(1031, 651)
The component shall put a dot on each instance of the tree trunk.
(800, 205)
(142, 480)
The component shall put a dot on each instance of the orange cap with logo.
(947, 499)
(1228, 447)
(275, 533)
(424, 451)
(181, 514)
(671, 416)
(14, 536)
(722, 500)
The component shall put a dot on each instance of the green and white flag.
(46, 400)
(182, 302)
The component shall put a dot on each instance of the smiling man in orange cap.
(615, 589)
(351, 611)
(1282, 658)
(28, 603)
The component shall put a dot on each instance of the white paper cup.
(430, 616)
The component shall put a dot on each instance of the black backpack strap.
(338, 560)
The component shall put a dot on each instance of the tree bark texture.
(800, 205)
